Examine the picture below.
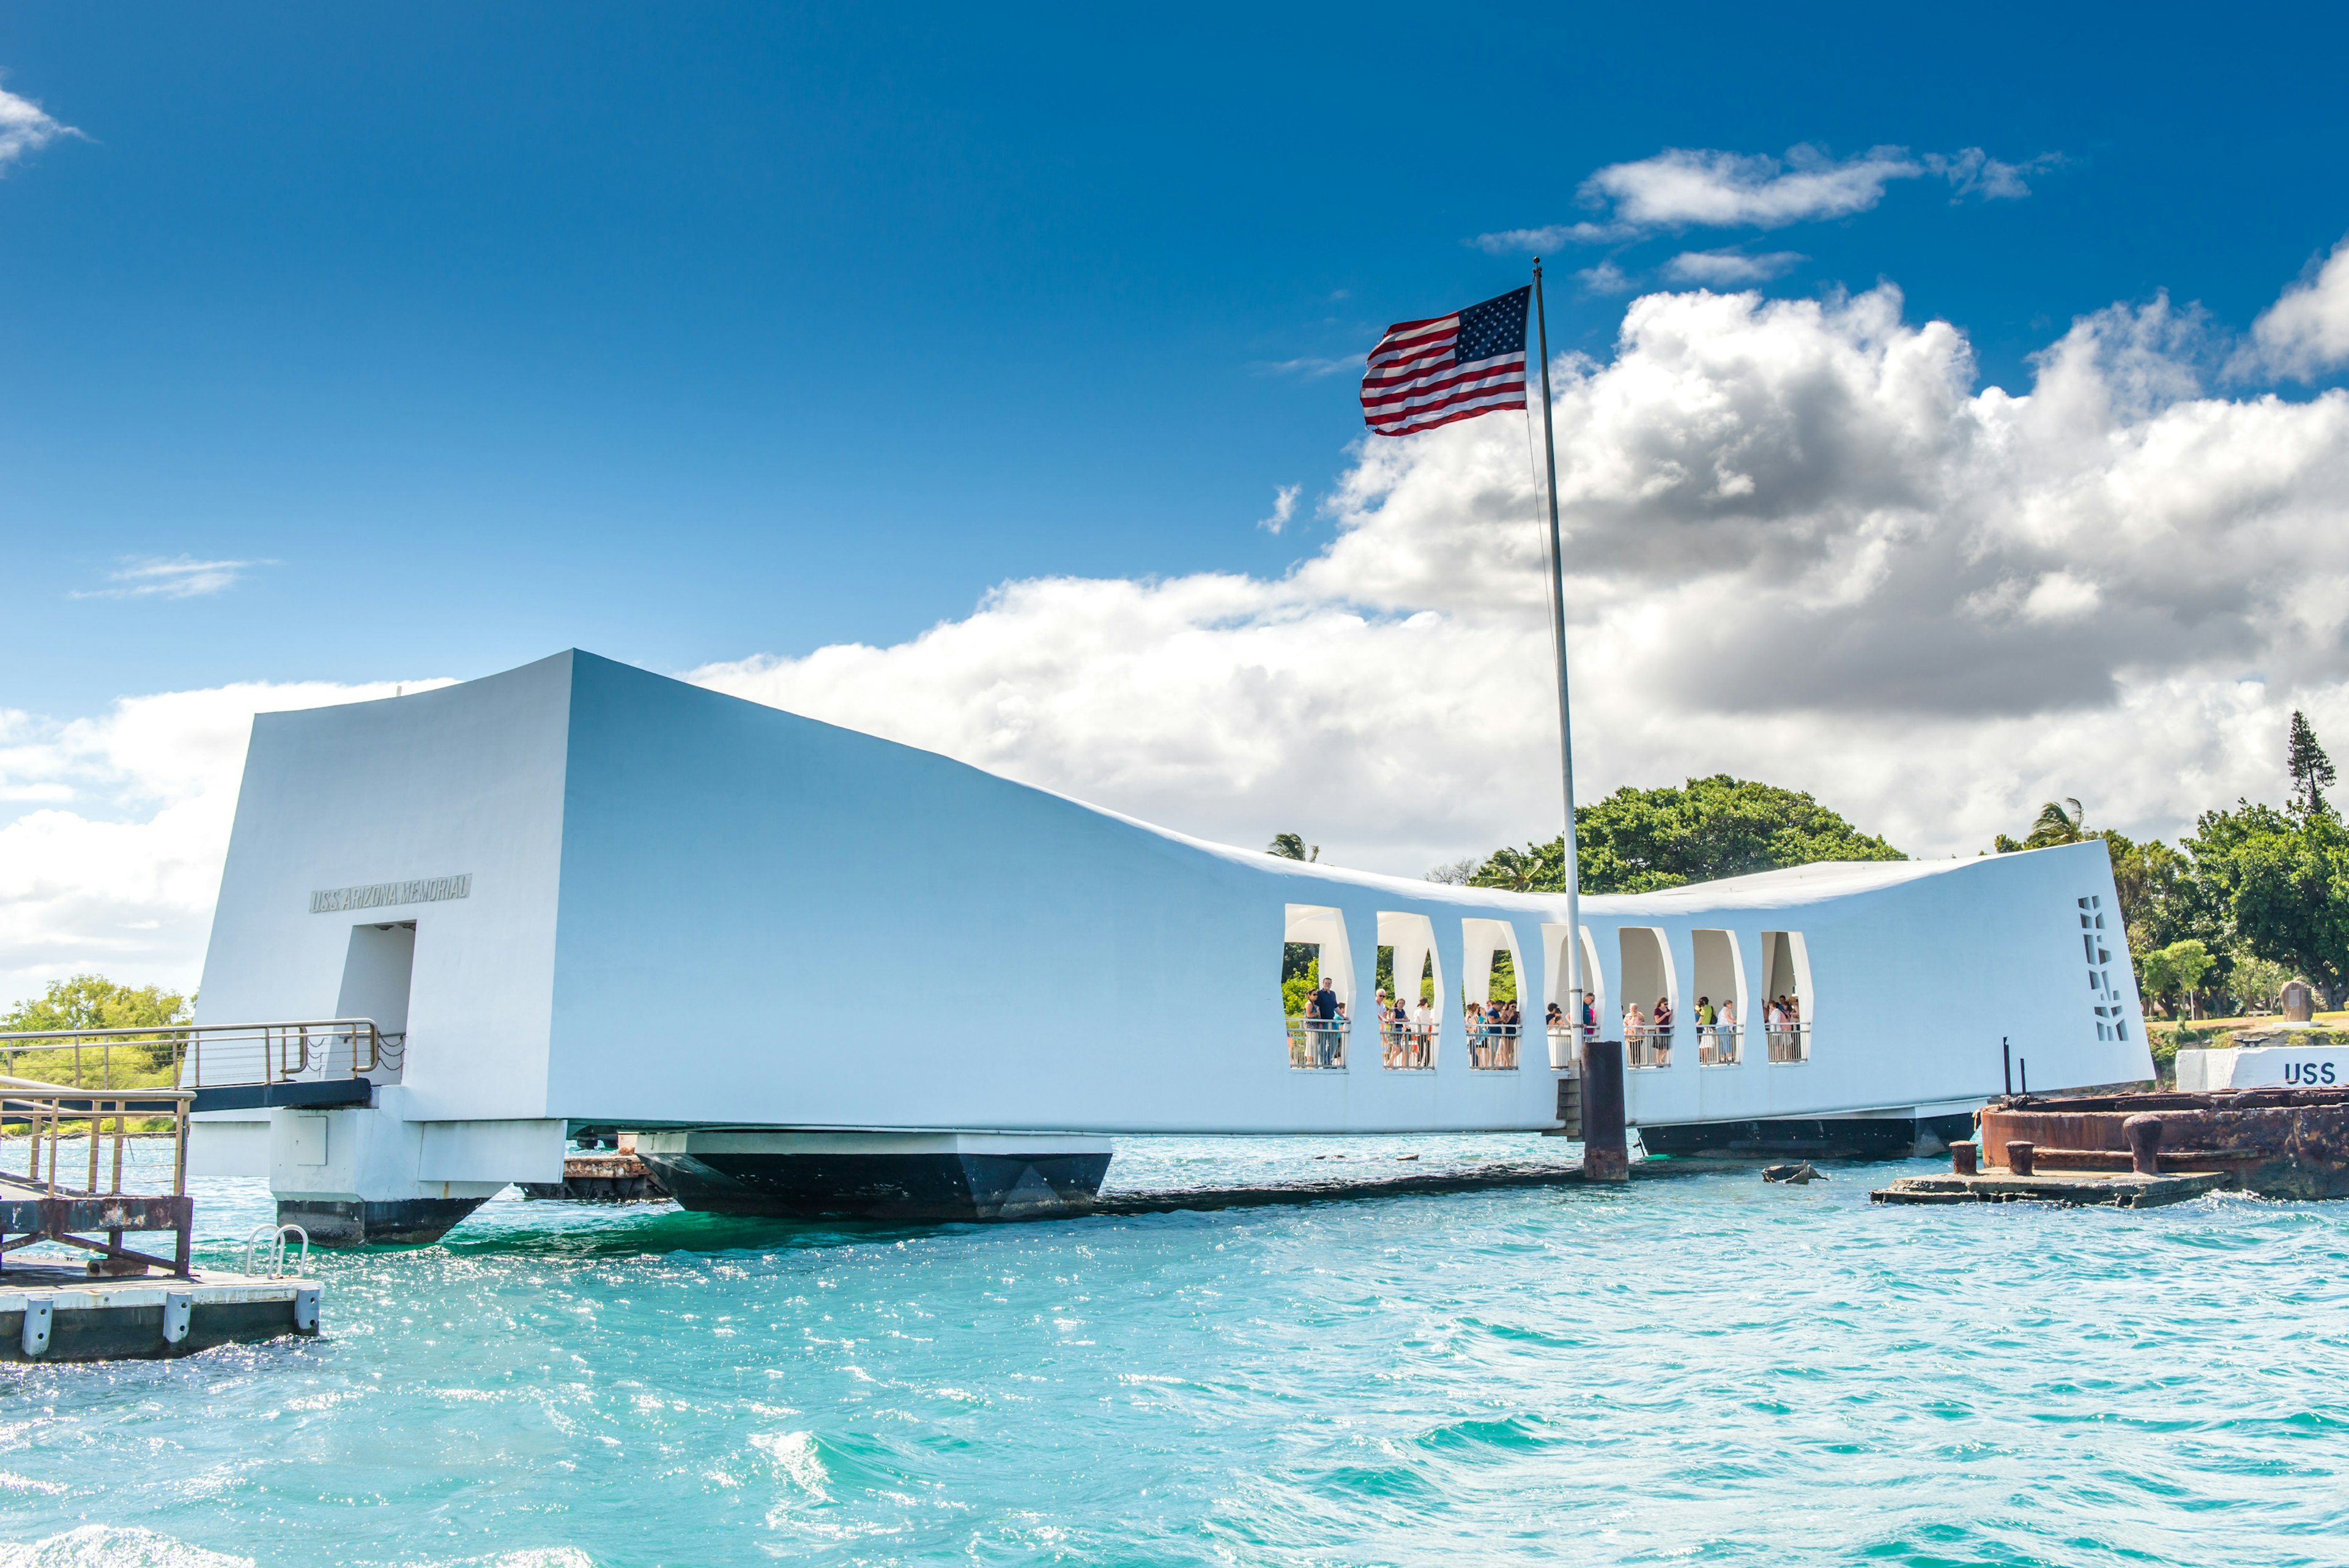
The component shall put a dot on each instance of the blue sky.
(685, 333)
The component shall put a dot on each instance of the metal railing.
(1566, 1045)
(1492, 1047)
(1788, 1041)
(1647, 1046)
(214, 1056)
(44, 1111)
(83, 1206)
(1318, 1044)
(1716, 1044)
(1407, 1047)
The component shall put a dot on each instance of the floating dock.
(69, 1315)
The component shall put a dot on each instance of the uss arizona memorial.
(819, 972)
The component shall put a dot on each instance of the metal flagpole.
(1558, 645)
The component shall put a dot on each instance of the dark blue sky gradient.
(681, 333)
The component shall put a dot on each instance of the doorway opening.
(1407, 1032)
(1786, 1000)
(378, 968)
(1317, 986)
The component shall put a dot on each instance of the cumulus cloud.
(1802, 545)
(1804, 548)
(116, 864)
(181, 577)
(1716, 268)
(25, 127)
(1284, 507)
(2306, 332)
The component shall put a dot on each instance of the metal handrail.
(1716, 1044)
(1788, 1043)
(276, 1244)
(214, 1055)
(1310, 1038)
(1492, 1047)
(1648, 1046)
(48, 1107)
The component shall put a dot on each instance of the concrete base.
(392, 1222)
(878, 1176)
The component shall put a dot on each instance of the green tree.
(1290, 846)
(2056, 825)
(2310, 769)
(2176, 971)
(93, 1001)
(2283, 877)
(1636, 840)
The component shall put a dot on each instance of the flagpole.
(1558, 646)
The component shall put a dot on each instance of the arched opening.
(1563, 1029)
(1785, 996)
(1492, 1010)
(1317, 986)
(1650, 999)
(1409, 1026)
(1719, 1010)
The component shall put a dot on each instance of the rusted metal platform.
(68, 1315)
(2074, 1189)
(2278, 1143)
(600, 1178)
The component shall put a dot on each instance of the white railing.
(1492, 1047)
(1647, 1046)
(1318, 1044)
(1566, 1044)
(1716, 1044)
(1788, 1041)
(1408, 1046)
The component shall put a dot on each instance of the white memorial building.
(816, 972)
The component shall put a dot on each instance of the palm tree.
(2056, 825)
(1290, 846)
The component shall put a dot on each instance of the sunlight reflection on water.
(1704, 1367)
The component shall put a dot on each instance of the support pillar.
(1606, 1156)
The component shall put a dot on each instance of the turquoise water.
(1704, 1369)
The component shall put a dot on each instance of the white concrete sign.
(375, 895)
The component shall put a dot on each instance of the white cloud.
(1973, 172)
(1312, 370)
(117, 868)
(1606, 278)
(1552, 236)
(1680, 186)
(2306, 332)
(1803, 547)
(1284, 507)
(25, 127)
(1718, 268)
(180, 577)
(1683, 187)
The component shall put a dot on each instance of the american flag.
(1424, 374)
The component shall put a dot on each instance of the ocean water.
(1704, 1369)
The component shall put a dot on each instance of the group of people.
(1322, 1040)
(1408, 1033)
(1648, 1036)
